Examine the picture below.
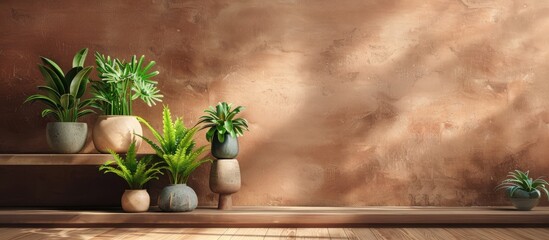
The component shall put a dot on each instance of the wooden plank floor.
(275, 233)
(275, 217)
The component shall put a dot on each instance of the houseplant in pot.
(136, 173)
(524, 191)
(177, 147)
(223, 132)
(62, 95)
(120, 84)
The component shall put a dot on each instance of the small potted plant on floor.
(524, 191)
(223, 132)
(136, 173)
(181, 157)
(120, 84)
(62, 95)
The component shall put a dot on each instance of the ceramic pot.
(523, 200)
(227, 149)
(66, 137)
(136, 200)
(225, 180)
(116, 133)
(177, 198)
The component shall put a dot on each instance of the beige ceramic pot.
(136, 200)
(225, 180)
(116, 133)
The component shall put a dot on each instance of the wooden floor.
(275, 233)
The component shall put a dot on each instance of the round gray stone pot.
(177, 198)
(227, 149)
(525, 201)
(66, 137)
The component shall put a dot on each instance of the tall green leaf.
(80, 58)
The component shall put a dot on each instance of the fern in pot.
(177, 147)
(524, 191)
(120, 84)
(136, 173)
(63, 97)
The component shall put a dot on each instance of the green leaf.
(45, 99)
(52, 79)
(56, 69)
(78, 84)
(67, 101)
(84, 112)
(80, 58)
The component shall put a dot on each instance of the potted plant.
(62, 95)
(136, 173)
(223, 129)
(120, 84)
(181, 157)
(524, 191)
(223, 132)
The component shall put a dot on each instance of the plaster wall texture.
(351, 103)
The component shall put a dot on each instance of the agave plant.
(62, 92)
(176, 147)
(121, 83)
(135, 172)
(221, 120)
(519, 180)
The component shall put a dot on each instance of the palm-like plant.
(62, 92)
(519, 180)
(221, 120)
(135, 172)
(176, 147)
(122, 82)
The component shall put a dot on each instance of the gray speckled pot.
(66, 137)
(227, 149)
(523, 200)
(177, 198)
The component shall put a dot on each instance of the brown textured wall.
(353, 102)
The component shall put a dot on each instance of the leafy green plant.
(121, 83)
(176, 147)
(519, 180)
(221, 120)
(63, 92)
(135, 172)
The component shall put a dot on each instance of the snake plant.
(519, 180)
(221, 120)
(123, 82)
(136, 172)
(63, 91)
(177, 147)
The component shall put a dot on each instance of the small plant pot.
(227, 149)
(135, 200)
(116, 133)
(525, 204)
(66, 137)
(177, 198)
(225, 180)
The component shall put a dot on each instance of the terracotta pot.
(177, 198)
(227, 149)
(116, 133)
(225, 180)
(136, 200)
(66, 137)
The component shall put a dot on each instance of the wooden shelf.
(278, 217)
(54, 159)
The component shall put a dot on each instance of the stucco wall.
(350, 102)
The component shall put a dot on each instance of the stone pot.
(177, 198)
(225, 180)
(523, 200)
(66, 137)
(116, 133)
(136, 200)
(227, 149)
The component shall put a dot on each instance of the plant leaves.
(80, 58)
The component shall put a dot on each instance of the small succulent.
(221, 120)
(519, 184)
(135, 172)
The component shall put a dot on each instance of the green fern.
(176, 146)
(136, 173)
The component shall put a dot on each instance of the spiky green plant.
(121, 83)
(176, 147)
(519, 180)
(135, 172)
(221, 120)
(63, 92)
